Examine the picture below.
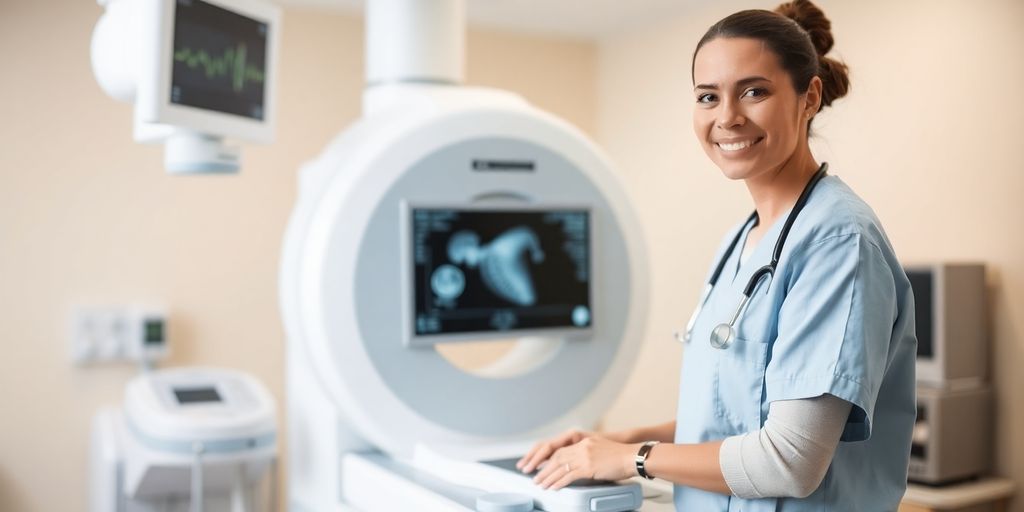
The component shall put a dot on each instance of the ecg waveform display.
(219, 60)
(230, 64)
(486, 271)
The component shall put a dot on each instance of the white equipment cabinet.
(186, 439)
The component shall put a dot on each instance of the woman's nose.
(729, 115)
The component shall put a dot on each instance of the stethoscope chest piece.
(722, 336)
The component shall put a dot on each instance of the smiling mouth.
(736, 146)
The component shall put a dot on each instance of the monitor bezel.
(154, 99)
(409, 336)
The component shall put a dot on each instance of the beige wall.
(930, 137)
(87, 216)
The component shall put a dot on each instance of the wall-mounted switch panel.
(118, 333)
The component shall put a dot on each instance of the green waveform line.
(231, 62)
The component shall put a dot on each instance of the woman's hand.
(592, 457)
(544, 449)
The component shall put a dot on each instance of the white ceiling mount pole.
(415, 41)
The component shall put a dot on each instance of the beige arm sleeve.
(790, 455)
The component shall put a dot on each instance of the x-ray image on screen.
(488, 270)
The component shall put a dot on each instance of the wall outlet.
(118, 333)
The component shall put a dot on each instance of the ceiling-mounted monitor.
(214, 68)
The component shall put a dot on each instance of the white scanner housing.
(356, 386)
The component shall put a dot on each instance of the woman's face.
(748, 117)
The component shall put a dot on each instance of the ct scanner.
(449, 214)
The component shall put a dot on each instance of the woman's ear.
(812, 99)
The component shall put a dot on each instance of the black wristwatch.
(641, 459)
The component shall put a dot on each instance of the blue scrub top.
(837, 318)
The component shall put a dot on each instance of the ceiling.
(587, 19)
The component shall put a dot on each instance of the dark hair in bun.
(800, 34)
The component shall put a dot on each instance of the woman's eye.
(706, 98)
(754, 92)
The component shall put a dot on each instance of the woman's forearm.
(787, 457)
(692, 465)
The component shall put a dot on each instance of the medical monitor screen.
(485, 271)
(219, 60)
(196, 395)
(921, 284)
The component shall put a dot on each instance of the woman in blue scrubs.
(808, 403)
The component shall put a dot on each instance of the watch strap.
(641, 459)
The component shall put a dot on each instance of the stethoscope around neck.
(723, 335)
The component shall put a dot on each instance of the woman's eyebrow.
(739, 83)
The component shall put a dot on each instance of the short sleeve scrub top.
(837, 318)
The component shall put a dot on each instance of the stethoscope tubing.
(723, 334)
